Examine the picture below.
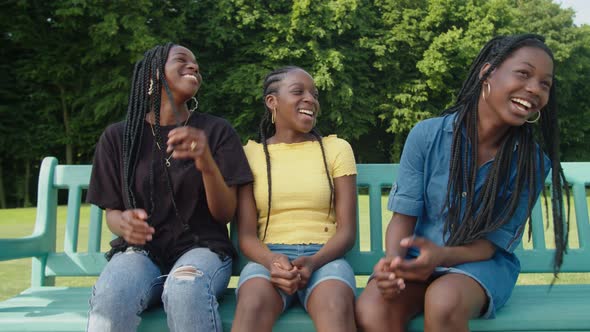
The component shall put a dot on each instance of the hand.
(190, 143)
(420, 268)
(283, 274)
(305, 267)
(388, 283)
(135, 227)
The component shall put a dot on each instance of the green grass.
(15, 274)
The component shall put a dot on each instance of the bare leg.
(331, 307)
(375, 313)
(257, 296)
(450, 302)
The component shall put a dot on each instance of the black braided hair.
(493, 207)
(267, 129)
(146, 86)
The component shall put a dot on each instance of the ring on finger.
(193, 145)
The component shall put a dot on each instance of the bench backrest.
(373, 180)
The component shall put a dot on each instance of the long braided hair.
(494, 207)
(146, 86)
(267, 129)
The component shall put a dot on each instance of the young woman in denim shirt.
(466, 186)
(298, 219)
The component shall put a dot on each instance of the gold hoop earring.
(536, 119)
(274, 114)
(196, 104)
(489, 91)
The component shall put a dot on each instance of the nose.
(194, 66)
(534, 87)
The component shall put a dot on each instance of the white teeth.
(522, 102)
(308, 112)
(190, 76)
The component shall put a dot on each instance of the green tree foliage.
(380, 65)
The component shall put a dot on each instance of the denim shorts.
(338, 269)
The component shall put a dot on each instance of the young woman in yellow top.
(298, 219)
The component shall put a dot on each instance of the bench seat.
(531, 308)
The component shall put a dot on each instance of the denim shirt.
(421, 186)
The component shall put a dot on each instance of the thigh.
(336, 270)
(130, 276)
(204, 263)
(455, 293)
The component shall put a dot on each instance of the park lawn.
(20, 222)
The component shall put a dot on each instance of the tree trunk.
(66, 118)
(2, 196)
(27, 199)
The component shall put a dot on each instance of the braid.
(317, 135)
(495, 205)
(148, 75)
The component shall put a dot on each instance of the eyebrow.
(183, 53)
(530, 65)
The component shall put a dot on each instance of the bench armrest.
(28, 246)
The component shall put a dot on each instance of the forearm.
(479, 250)
(255, 250)
(336, 247)
(221, 199)
(400, 226)
(114, 220)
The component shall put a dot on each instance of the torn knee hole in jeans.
(187, 273)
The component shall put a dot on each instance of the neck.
(490, 129)
(290, 136)
(167, 116)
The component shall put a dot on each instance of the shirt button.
(325, 229)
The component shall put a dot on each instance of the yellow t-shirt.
(300, 189)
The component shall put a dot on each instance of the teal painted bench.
(45, 307)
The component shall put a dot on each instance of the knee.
(371, 315)
(255, 297)
(186, 282)
(444, 308)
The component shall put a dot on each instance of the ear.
(271, 101)
(484, 69)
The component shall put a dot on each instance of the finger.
(283, 274)
(381, 265)
(283, 262)
(383, 275)
(139, 214)
(413, 241)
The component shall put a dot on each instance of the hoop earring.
(536, 119)
(196, 104)
(489, 91)
(274, 114)
(151, 89)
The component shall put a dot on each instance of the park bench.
(45, 307)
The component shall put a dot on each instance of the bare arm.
(283, 274)
(189, 142)
(400, 226)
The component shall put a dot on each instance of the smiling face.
(296, 102)
(182, 73)
(519, 87)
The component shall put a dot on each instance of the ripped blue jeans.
(132, 283)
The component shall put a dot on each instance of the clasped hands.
(290, 276)
(391, 273)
